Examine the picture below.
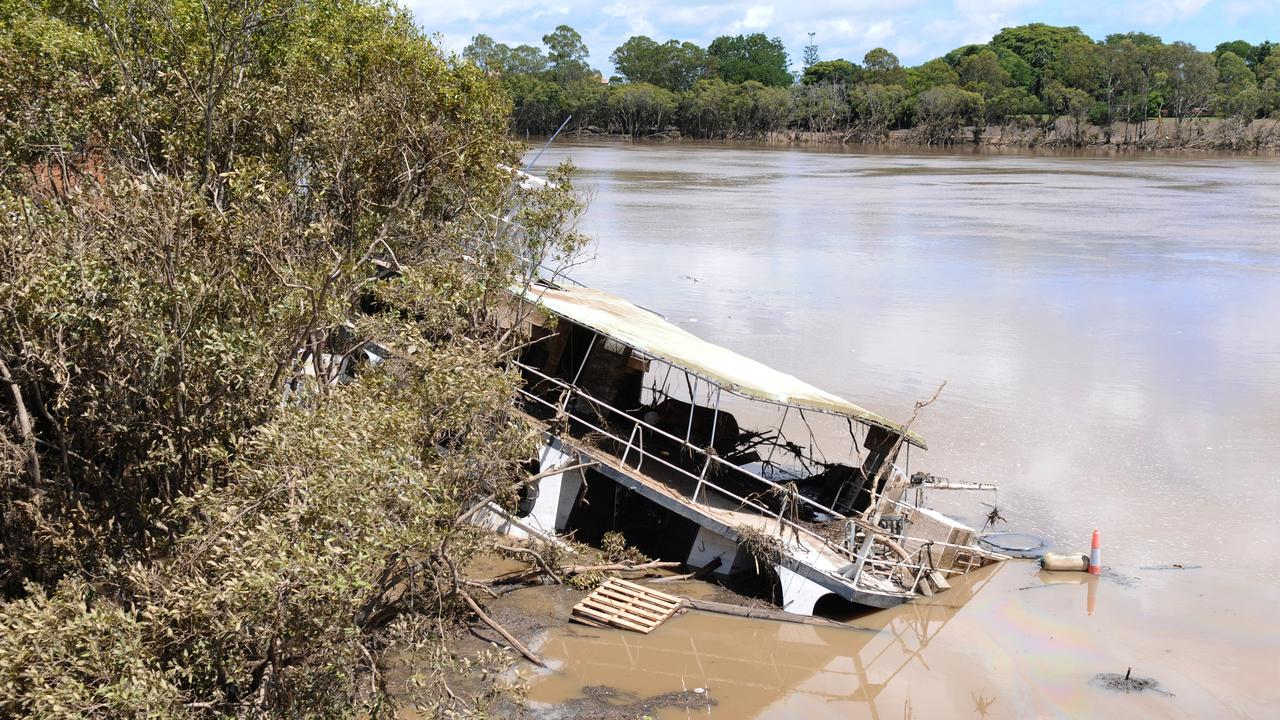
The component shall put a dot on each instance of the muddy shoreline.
(535, 613)
(1197, 136)
(540, 615)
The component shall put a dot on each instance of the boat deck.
(804, 555)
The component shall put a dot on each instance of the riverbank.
(1217, 135)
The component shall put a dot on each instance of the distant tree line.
(741, 86)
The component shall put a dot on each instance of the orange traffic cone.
(1095, 554)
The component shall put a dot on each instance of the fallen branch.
(484, 502)
(511, 640)
(699, 574)
(24, 425)
(527, 574)
(674, 578)
(515, 576)
(873, 507)
(538, 558)
(652, 565)
(765, 614)
(481, 586)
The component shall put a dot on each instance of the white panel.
(799, 594)
(708, 546)
(556, 493)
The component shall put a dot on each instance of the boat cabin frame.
(831, 528)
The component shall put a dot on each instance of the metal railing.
(703, 484)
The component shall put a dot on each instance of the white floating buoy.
(1059, 562)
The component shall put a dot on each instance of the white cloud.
(1189, 8)
(688, 15)
(759, 17)
(1159, 12)
(878, 32)
(636, 15)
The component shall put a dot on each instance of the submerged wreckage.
(700, 454)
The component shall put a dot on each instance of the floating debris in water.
(993, 517)
(1019, 545)
(1128, 683)
(610, 703)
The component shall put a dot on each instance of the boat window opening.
(771, 441)
(654, 338)
(622, 393)
(585, 359)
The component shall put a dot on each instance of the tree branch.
(532, 479)
(511, 640)
(24, 424)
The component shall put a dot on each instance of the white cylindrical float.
(1057, 561)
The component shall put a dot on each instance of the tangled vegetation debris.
(765, 549)
(609, 703)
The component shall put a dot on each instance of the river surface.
(1108, 328)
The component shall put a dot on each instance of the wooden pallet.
(625, 605)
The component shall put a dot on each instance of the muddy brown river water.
(1109, 331)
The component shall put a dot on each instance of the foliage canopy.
(751, 57)
(213, 501)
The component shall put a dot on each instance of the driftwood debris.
(535, 573)
(620, 567)
(497, 627)
(695, 575)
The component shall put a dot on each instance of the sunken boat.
(699, 454)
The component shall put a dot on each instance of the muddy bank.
(534, 614)
(1196, 134)
(1192, 135)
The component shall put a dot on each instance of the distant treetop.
(751, 57)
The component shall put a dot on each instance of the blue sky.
(916, 30)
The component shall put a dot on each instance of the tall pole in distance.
(810, 53)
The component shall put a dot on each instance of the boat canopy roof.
(649, 333)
